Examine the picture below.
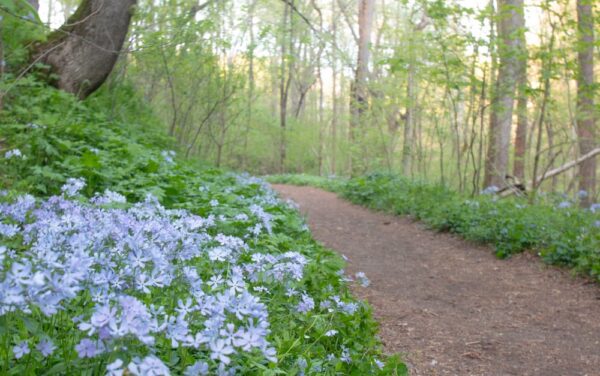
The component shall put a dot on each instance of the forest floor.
(450, 306)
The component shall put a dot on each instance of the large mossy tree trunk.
(82, 53)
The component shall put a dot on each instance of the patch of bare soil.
(451, 307)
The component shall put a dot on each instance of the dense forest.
(128, 244)
(430, 89)
(460, 92)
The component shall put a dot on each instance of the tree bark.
(251, 83)
(334, 99)
(284, 84)
(511, 24)
(407, 147)
(359, 100)
(521, 136)
(83, 52)
(585, 98)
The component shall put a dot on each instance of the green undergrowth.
(113, 142)
(554, 227)
(332, 184)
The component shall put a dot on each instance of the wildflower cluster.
(15, 153)
(146, 264)
(147, 276)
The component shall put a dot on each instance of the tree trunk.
(511, 24)
(358, 100)
(83, 52)
(284, 86)
(409, 119)
(521, 136)
(585, 98)
(334, 94)
(251, 83)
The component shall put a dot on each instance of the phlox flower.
(270, 354)
(564, 205)
(21, 350)
(46, 347)
(73, 187)
(149, 366)
(103, 316)
(362, 279)
(348, 308)
(87, 348)
(306, 304)
(331, 333)
(236, 284)
(185, 308)
(109, 197)
(14, 153)
(215, 281)
(115, 368)
(199, 368)
(168, 156)
(220, 350)
(345, 357)
(229, 334)
(8, 230)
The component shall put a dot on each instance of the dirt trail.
(451, 306)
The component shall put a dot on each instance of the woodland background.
(458, 92)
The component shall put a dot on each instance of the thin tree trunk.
(251, 83)
(409, 120)
(334, 99)
(521, 133)
(511, 24)
(585, 98)
(521, 136)
(540, 125)
(482, 107)
(359, 101)
(284, 86)
(171, 92)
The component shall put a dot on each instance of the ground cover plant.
(116, 257)
(554, 226)
(330, 183)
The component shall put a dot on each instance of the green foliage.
(55, 133)
(333, 184)
(19, 26)
(113, 142)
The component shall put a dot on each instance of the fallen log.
(520, 189)
(563, 168)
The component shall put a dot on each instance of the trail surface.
(450, 306)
